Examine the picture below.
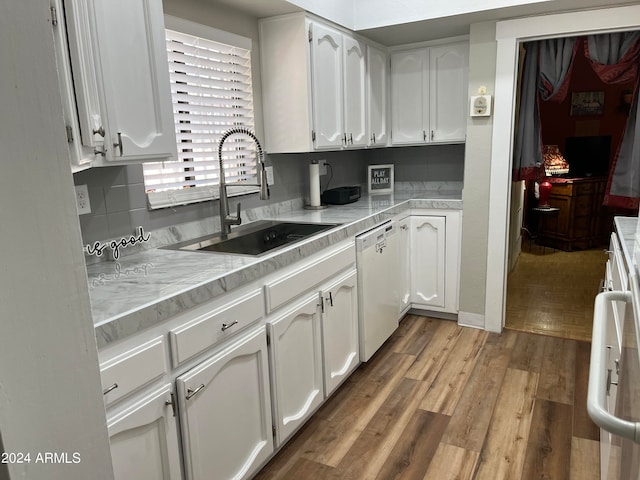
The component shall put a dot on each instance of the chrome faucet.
(227, 220)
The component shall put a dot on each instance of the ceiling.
(260, 8)
(429, 29)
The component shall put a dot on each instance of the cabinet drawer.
(131, 370)
(206, 330)
(585, 188)
(564, 189)
(302, 279)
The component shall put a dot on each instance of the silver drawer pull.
(226, 326)
(192, 392)
(109, 389)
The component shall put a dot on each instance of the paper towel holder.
(315, 202)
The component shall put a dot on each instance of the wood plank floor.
(552, 292)
(440, 401)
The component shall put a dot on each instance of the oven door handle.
(597, 388)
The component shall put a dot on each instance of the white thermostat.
(480, 106)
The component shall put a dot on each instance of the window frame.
(183, 196)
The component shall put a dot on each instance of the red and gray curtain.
(546, 73)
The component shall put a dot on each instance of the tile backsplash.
(119, 203)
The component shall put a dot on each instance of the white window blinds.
(211, 92)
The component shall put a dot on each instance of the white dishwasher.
(378, 262)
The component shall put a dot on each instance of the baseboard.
(474, 320)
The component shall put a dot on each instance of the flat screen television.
(588, 156)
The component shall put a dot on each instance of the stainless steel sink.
(255, 238)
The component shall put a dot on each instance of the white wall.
(50, 393)
(477, 170)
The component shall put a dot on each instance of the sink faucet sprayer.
(227, 220)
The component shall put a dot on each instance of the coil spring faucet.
(226, 220)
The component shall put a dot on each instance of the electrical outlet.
(323, 167)
(82, 199)
(269, 172)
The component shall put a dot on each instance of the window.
(211, 92)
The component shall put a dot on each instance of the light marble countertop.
(151, 286)
(626, 230)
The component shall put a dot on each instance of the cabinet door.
(327, 78)
(377, 96)
(404, 227)
(131, 61)
(144, 439)
(410, 96)
(355, 78)
(81, 111)
(448, 69)
(428, 266)
(340, 330)
(296, 365)
(225, 411)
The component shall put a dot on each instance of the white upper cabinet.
(355, 81)
(314, 86)
(377, 85)
(118, 55)
(429, 91)
(410, 96)
(448, 85)
(327, 63)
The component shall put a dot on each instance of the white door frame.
(509, 34)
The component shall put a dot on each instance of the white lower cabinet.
(435, 260)
(295, 356)
(428, 266)
(340, 341)
(144, 438)
(225, 411)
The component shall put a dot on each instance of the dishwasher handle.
(597, 388)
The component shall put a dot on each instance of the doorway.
(553, 284)
(509, 34)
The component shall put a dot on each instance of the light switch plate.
(82, 199)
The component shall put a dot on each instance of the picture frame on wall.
(380, 179)
(587, 103)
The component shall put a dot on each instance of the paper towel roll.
(314, 182)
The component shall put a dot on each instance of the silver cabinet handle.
(171, 402)
(351, 138)
(109, 389)
(191, 392)
(119, 144)
(432, 135)
(226, 326)
(330, 299)
(424, 135)
(598, 374)
(344, 138)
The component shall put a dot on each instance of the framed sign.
(380, 179)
